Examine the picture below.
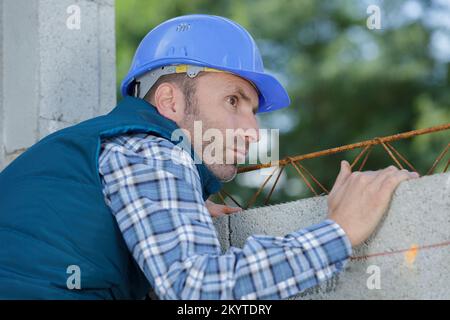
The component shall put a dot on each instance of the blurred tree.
(347, 83)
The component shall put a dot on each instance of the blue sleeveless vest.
(53, 214)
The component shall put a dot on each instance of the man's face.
(223, 101)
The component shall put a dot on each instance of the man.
(112, 206)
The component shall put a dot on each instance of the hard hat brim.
(272, 94)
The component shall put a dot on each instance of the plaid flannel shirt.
(158, 205)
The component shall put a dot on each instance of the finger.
(216, 214)
(389, 184)
(392, 180)
(362, 178)
(228, 210)
(338, 195)
(366, 176)
(343, 175)
(382, 175)
(220, 208)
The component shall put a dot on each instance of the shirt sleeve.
(155, 195)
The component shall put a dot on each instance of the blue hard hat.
(208, 41)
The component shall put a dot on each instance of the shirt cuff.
(327, 246)
(343, 236)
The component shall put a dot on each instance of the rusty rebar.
(231, 197)
(221, 198)
(273, 186)
(352, 146)
(402, 157)
(314, 179)
(438, 159)
(255, 196)
(446, 167)
(359, 156)
(365, 158)
(368, 145)
(391, 155)
(303, 177)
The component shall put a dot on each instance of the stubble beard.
(224, 171)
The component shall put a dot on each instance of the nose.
(250, 126)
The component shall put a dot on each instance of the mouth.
(238, 155)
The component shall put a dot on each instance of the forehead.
(227, 83)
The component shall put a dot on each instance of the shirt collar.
(210, 183)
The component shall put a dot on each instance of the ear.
(169, 101)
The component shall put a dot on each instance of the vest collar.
(147, 112)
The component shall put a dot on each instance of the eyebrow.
(245, 97)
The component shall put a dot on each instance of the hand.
(218, 210)
(359, 200)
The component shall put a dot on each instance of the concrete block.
(223, 231)
(408, 257)
(20, 75)
(76, 64)
(107, 52)
(53, 75)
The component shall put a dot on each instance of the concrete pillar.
(2, 126)
(408, 257)
(58, 68)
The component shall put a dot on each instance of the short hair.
(186, 84)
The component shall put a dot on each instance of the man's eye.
(233, 100)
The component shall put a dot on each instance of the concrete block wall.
(408, 257)
(57, 62)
